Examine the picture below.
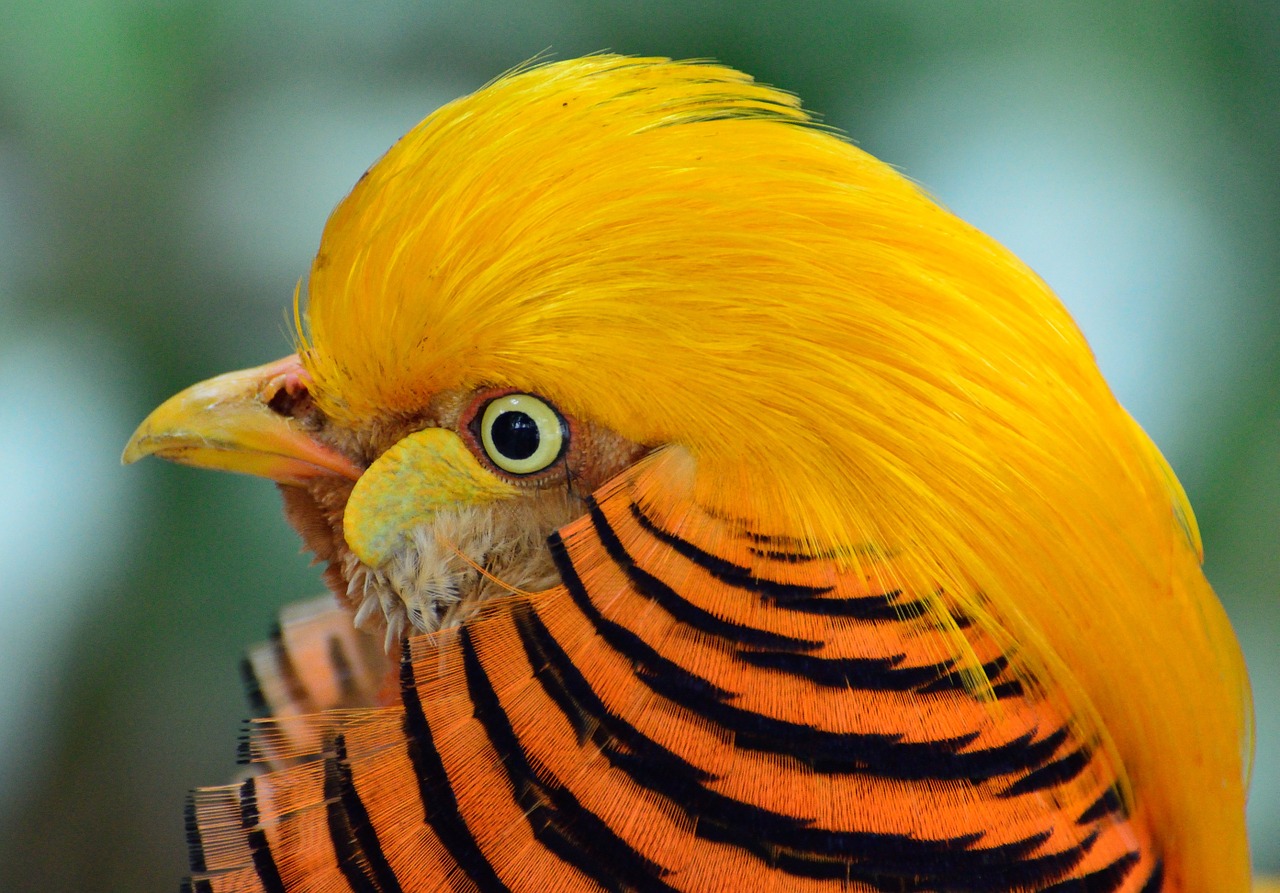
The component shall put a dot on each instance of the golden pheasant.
(734, 518)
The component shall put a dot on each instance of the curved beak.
(229, 423)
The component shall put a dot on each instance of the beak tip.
(134, 450)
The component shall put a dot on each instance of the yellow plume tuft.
(677, 253)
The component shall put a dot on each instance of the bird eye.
(521, 434)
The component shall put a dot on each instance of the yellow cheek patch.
(424, 473)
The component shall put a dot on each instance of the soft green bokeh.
(165, 169)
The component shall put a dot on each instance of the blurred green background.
(165, 170)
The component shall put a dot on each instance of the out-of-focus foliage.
(165, 169)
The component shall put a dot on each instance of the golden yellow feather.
(677, 253)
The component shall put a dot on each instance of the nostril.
(291, 397)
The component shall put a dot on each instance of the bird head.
(598, 264)
(588, 262)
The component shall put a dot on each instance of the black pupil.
(515, 435)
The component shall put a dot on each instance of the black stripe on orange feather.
(677, 606)
(252, 688)
(439, 804)
(1032, 872)
(726, 571)
(1105, 880)
(1050, 775)
(792, 596)
(195, 846)
(781, 555)
(908, 864)
(1011, 689)
(1155, 881)
(264, 864)
(569, 689)
(992, 670)
(244, 747)
(868, 608)
(823, 751)
(355, 840)
(646, 762)
(864, 673)
(886, 861)
(1108, 803)
(556, 817)
(888, 756)
(996, 869)
(615, 635)
(196, 885)
(343, 673)
(296, 691)
(953, 680)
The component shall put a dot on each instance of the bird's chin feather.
(450, 564)
(425, 584)
(446, 568)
